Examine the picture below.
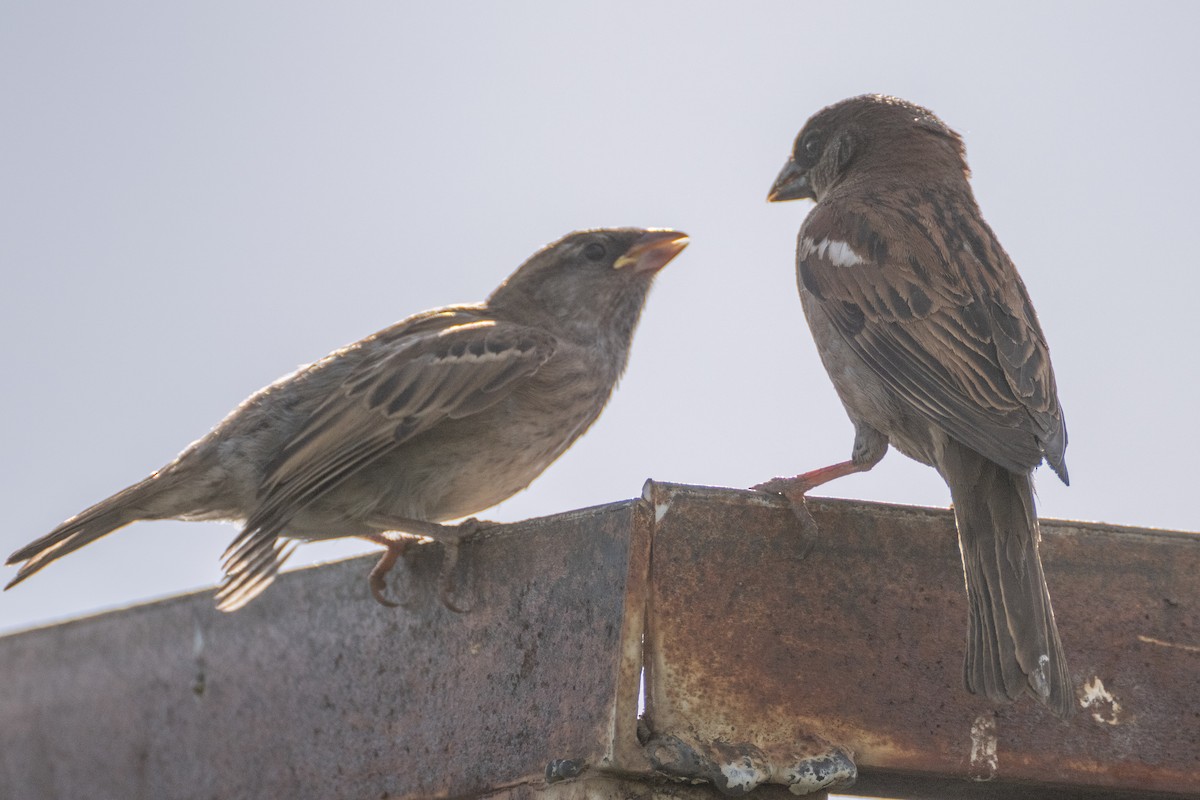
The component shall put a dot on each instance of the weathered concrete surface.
(859, 644)
(768, 664)
(316, 691)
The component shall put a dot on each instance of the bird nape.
(933, 346)
(436, 418)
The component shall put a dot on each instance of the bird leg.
(796, 487)
(451, 536)
(869, 447)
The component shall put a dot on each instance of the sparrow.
(932, 343)
(435, 418)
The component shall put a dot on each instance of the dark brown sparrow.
(440, 416)
(933, 346)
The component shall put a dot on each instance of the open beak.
(792, 184)
(652, 251)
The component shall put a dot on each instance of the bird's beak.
(652, 251)
(792, 184)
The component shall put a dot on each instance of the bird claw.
(464, 531)
(377, 580)
(451, 537)
(378, 584)
(446, 585)
(793, 490)
(808, 526)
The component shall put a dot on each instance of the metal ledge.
(765, 667)
(860, 643)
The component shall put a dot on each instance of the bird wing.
(933, 305)
(446, 366)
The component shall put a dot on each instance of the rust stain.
(756, 640)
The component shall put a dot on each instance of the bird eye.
(594, 251)
(810, 146)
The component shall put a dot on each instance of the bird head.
(590, 283)
(872, 133)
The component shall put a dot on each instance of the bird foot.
(467, 529)
(788, 487)
(450, 536)
(793, 490)
(452, 539)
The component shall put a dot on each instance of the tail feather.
(251, 562)
(103, 518)
(1012, 640)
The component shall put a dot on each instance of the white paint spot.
(660, 511)
(198, 641)
(830, 770)
(805, 785)
(984, 760)
(741, 777)
(840, 254)
(1040, 683)
(1105, 707)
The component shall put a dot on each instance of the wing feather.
(446, 367)
(942, 317)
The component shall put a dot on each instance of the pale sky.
(195, 198)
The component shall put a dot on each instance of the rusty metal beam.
(858, 644)
(766, 667)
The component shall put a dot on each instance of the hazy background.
(197, 198)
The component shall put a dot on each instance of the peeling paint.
(804, 776)
(985, 762)
(741, 777)
(661, 504)
(1105, 707)
(737, 768)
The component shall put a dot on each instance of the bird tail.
(1012, 640)
(126, 506)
